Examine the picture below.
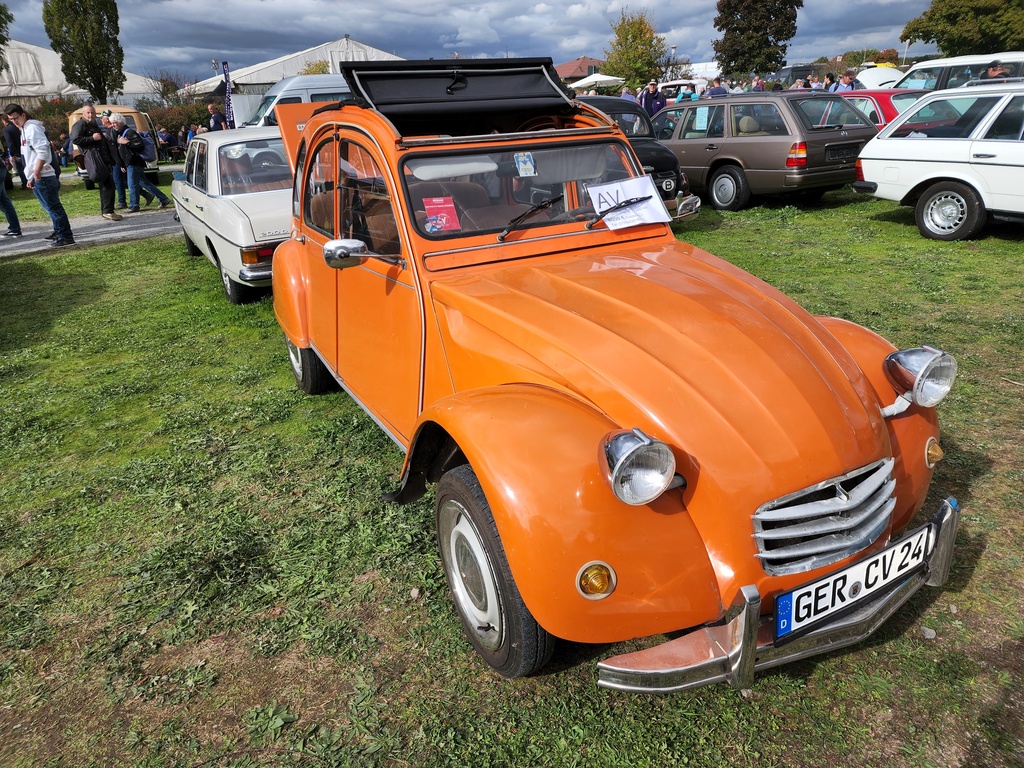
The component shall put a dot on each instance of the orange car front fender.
(536, 453)
(909, 431)
(290, 293)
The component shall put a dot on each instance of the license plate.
(848, 152)
(806, 607)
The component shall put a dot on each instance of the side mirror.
(342, 254)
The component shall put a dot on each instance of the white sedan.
(957, 156)
(234, 204)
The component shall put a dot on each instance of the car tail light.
(257, 253)
(797, 156)
(859, 169)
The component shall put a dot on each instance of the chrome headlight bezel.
(924, 375)
(639, 468)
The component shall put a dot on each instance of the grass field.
(197, 568)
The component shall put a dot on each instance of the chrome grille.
(826, 522)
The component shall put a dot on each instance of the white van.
(937, 74)
(293, 90)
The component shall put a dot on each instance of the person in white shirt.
(42, 179)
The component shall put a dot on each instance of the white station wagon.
(234, 204)
(957, 156)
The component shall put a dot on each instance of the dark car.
(765, 143)
(657, 160)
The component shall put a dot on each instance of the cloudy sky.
(182, 36)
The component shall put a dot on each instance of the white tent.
(34, 73)
(597, 80)
(258, 78)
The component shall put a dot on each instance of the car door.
(696, 137)
(194, 194)
(365, 321)
(998, 157)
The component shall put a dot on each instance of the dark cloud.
(184, 35)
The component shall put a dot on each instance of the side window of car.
(297, 182)
(1009, 125)
(365, 207)
(190, 162)
(665, 123)
(200, 177)
(704, 122)
(962, 74)
(318, 209)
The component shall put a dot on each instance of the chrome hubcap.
(946, 212)
(472, 579)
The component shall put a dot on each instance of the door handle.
(981, 156)
(710, 147)
(199, 207)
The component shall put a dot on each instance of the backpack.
(148, 152)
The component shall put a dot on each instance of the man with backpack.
(131, 148)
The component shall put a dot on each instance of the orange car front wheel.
(494, 616)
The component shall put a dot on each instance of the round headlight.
(923, 374)
(640, 468)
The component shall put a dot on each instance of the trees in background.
(6, 17)
(84, 35)
(755, 34)
(961, 27)
(637, 52)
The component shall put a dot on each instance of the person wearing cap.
(849, 82)
(117, 171)
(651, 99)
(994, 70)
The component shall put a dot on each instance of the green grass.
(77, 200)
(197, 568)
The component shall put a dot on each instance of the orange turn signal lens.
(595, 581)
(933, 453)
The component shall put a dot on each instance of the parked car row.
(629, 437)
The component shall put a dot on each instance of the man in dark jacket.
(12, 137)
(88, 136)
(130, 147)
(651, 99)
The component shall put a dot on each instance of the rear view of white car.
(233, 201)
(957, 156)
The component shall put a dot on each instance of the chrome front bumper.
(733, 651)
(255, 273)
(686, 206)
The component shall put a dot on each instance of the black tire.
(236, 292)
(311, 375)
(949, 210)
(728, 189)
(494, 616)
(191, 248)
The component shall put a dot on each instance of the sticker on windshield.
(525, 164)
(441, 215)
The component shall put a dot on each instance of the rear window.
(954, 117)
(818, 114)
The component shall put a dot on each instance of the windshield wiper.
(542, 205)
(617, 207)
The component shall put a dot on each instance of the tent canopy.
(35, 72)
(257, 78)
(597, 80)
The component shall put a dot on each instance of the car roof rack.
(990, 81)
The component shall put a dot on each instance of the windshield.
(253, 166)
(464, 194)
(265, 109)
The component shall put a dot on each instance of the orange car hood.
(747, 386)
